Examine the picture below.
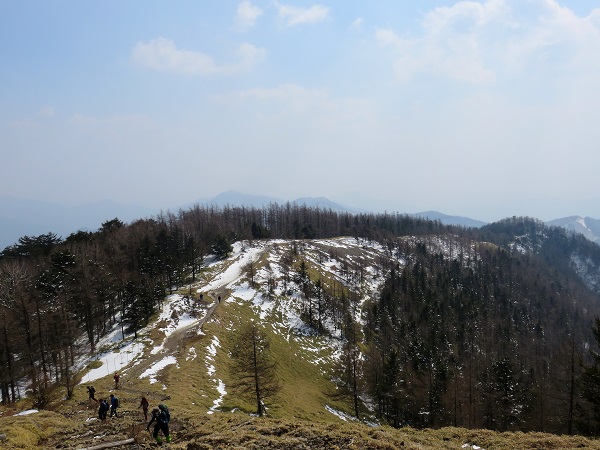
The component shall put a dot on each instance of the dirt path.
(173, 342)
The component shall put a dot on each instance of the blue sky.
(485, 109)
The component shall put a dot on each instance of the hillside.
(181, 358)
(407, 323)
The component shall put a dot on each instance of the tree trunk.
(259, 409)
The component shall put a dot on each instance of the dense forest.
(493, 332)
(490, 339)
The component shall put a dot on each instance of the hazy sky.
(485, 109)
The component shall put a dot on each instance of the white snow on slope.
(240, 258)
(217, 403)
(342, 415)
(152, 371)
(175, 316)
(125, 354)
(281, 307)
(27, 412)
(114, 360)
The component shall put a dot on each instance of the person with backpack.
(114, 404)
(103, 409)
(116, 378)
(162, 416)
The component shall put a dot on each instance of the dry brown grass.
(236, 431)
(70, 429)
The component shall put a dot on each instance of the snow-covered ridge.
(587, 226)
(273, 294)
(271, 288)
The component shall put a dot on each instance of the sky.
(485, 109)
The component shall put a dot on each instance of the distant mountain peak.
(450, 220)
(235, 198)
(587, 226)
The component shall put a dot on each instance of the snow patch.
(217, 403)
(152, 371)
(191, 354)
(342, 415)
(27, 412)
(114, 361)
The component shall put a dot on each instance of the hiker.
(91, 392)
(103, 409)
(144, 405)
(219, 299)
(116, 377)
(162, 417)
(114, 404)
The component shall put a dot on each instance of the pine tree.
(221, 248)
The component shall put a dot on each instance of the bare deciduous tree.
(252, 366)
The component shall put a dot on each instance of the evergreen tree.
(221, 247)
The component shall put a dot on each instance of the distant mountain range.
(451, 220)
(233, 198)
(20, 217)
(587, 226)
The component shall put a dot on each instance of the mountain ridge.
(22, 217)
(586, 226)
(435, 290)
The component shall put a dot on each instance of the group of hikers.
(160, 415)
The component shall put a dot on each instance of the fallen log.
(110, 444)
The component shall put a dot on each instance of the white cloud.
(487, 42)
(162, 55)
(389, 37)
(293, 15)
(357, 23)
(250, 55)
(247, 14)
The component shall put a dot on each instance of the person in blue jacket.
(114, 404)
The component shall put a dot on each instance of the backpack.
(165, 411)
